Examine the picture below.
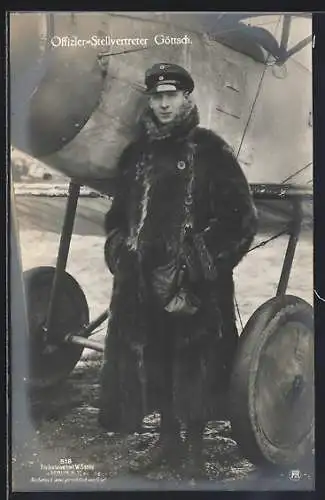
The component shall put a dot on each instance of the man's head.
(168, 88)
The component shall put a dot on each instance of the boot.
(195, 463)
(167, 450)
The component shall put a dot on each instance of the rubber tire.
(48, 369)
(264, 322)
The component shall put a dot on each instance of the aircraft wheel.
(51, 359)
(271, 398)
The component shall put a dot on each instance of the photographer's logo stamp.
(295, 475)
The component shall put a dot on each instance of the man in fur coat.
(181, 220)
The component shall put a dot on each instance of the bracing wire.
(259, 88)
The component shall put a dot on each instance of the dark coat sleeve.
(116, 216)
(115, 223)
(233, 223)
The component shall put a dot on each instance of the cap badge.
(160, 77)
(162, 66)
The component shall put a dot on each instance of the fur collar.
(183, 124)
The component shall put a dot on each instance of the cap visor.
(164, 87)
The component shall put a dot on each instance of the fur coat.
(146, 348)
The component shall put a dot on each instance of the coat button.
(181, 165)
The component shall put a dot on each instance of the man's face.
(167, 105)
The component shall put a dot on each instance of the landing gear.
(272, 384)
(51, 359)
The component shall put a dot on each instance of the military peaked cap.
(164, 77)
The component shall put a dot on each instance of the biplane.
(75, 108)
